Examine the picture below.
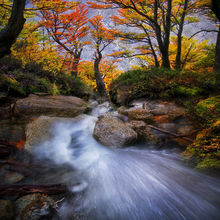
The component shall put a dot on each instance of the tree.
(143, 35)
(150, 22)
(216, 10)
(108, 70)
(180, 25)
(151, 12)
(9, 34)
(102, 37)
(66, 23)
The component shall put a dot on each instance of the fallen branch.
(170, 133)
(19, 190)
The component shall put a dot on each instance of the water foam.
(127, 184)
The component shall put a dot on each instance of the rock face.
(34, 206)
(40, 130)
(60, 106)
(111, 131)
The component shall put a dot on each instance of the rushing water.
(127, 184)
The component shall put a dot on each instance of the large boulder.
(59, 106)
(111, 131)
(41, 129)
(145, 133)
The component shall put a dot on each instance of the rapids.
(126, 184)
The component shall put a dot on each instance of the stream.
(134, 183)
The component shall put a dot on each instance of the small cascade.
(126, 184)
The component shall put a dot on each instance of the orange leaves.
(66, 23)
(20, 144)
(100, 34)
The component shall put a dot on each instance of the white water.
(127, 184)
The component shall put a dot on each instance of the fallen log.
(20, 190)
(16, 163)
(171, 133)
(8, 143)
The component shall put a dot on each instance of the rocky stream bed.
(59, 163)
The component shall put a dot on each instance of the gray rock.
(144, 132)
(137, 114)
(58, 106)
(13, 177)
(110, 131)
(40, 130)
(34, 207)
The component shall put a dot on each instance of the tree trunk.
(217, 58)
(74, 71)
(164, 43)
(179, 36)
(9, 34)
(100, 84)
(165, 54)
(216, 10)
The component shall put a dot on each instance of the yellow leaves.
(108, 69)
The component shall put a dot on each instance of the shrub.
(205, 151)
(18, 81)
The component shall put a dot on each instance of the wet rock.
(5, 112)
(145, 133)
(159, 119)
(34, 207)
(13, 177)
(161, 108)
(41, 129)
(185, 130)
(171, 127)
(60, 106)
(12, 130)
(138, 115)
(123, 110)
(110, 131)
(6, 210)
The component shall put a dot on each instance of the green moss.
(18, 81)
(209, 109)
(205, 151)
(209, 163)
(55, 90)
(182, 90)
(11, 86)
